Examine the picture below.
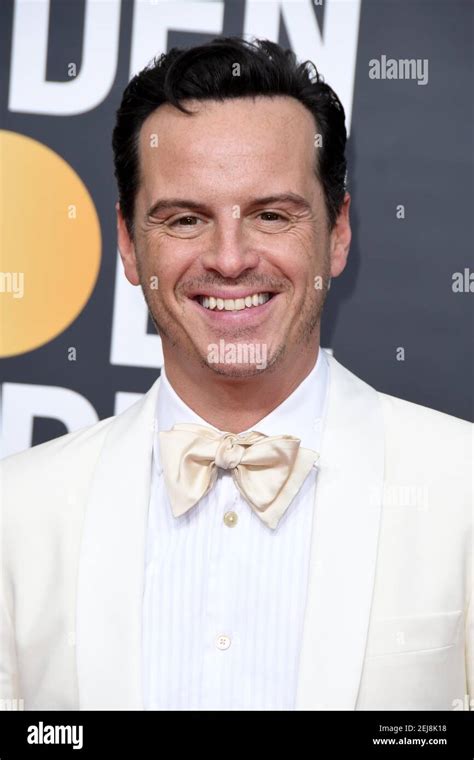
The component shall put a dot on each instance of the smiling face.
(231, 241)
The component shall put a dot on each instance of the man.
(263, 530)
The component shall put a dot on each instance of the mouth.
(240, 303)
(243, 310)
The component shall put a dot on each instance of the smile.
(233, 304)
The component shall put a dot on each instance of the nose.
(229, 252)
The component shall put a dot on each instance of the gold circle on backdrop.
(50, 244)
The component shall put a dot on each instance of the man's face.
(231, 242)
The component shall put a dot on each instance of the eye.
(271, 216)
(185, 221)
(271, 221)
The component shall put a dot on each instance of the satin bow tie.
(268, 470)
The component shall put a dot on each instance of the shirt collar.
(299, 414)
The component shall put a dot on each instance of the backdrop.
(75, 339)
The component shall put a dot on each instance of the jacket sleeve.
(8, 661)
(470, 653)
(9, 697)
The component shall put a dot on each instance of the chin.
(238, 371)
(246, 360)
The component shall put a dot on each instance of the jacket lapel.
(344, 545)
(111, 567)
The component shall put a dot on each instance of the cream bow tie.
(268, 470)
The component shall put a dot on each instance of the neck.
(237, 404)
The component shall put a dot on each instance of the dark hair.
(206, 72)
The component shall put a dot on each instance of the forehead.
(235, 137)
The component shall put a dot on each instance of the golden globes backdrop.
(76, 343)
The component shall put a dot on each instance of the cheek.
(166, 261)
(301, 256)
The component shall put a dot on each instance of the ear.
(126, 248)
(340, 239)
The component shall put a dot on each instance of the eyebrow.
(170, 203)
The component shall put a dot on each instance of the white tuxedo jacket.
(389, 618)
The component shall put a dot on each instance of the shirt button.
(223, 642)
(230, 519)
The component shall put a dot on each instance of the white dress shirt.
(225, 595)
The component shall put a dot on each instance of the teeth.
(234, 304)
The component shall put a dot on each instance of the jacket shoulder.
(421, 421)
(58, 453)
(415, 419)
